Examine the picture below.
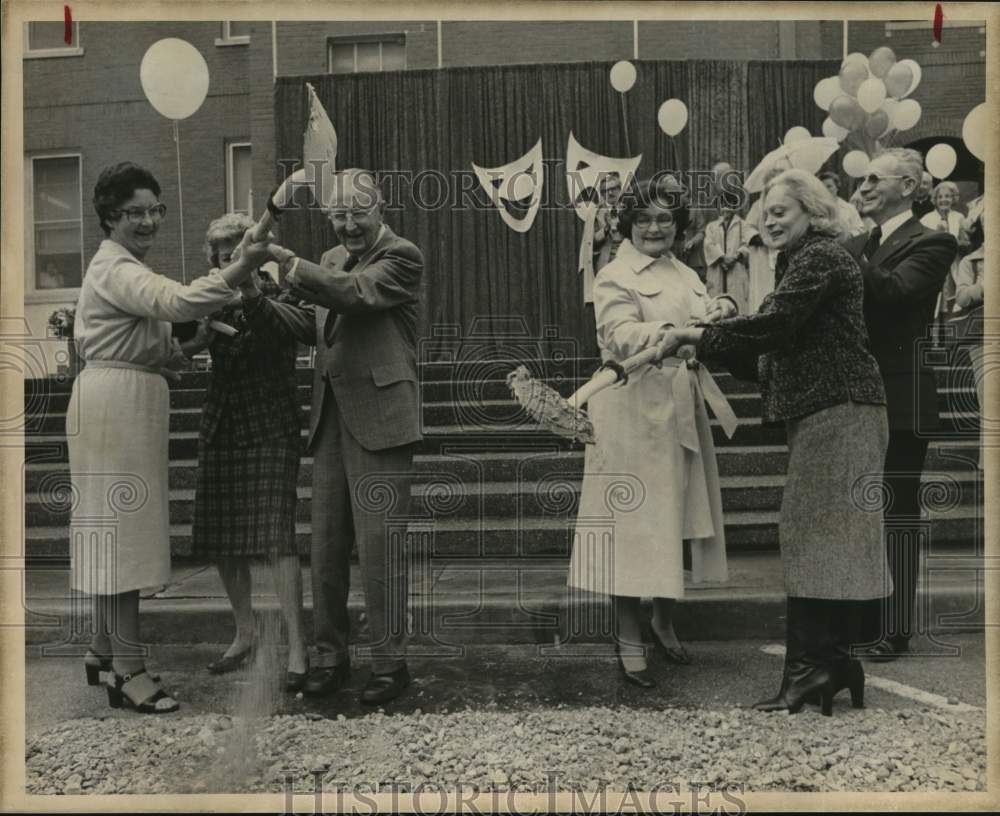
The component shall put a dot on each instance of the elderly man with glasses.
(360, 310)
(904, 266)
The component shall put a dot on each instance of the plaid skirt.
(246, 498)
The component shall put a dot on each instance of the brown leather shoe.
(381, 688)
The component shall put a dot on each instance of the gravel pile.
(585, 748)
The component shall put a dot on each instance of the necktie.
(331, 318)
(873, 242)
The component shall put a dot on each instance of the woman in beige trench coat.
(651, 481)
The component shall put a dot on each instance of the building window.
(377, 52)
(55, 256)
(239, 175)
(235, 32)
(49, 40)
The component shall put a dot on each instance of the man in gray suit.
(364, 426)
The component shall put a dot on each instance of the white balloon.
(826, 91)
(174, 76)
(856, 163)
(906, 114)
(889, 105)
(915, 68)
(871, 94)
(974, 131)
(622, 76)
(855, 56)
(672, 116)
(941, 160)
(834, 131)
(796, 134)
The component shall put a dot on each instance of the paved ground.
(724, 674)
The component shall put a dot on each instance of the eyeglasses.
(643, 221)
(136, 215)
(872, 179)
(340, 217)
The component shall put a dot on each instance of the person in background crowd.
(808, 347)
(248, 461)
(727, 254)
(969, 281)
(969, 311)
(652, 429)
(853, 225)
(904, 265)
(922, 201)
(670, 188)
(120, 455)
(364, 426)
(973, 224)
(607, 238)
(945, 218)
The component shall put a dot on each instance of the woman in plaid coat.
(248, 463)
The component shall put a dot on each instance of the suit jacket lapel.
(899, 240)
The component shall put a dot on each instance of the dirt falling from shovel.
(257, 695)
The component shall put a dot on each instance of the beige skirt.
(118, 458)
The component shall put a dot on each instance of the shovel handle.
(607, 377)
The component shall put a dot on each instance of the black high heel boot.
(808, 660)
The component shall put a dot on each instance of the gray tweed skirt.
(830, 530)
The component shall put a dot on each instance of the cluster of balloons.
(869, 95)
(672, 115)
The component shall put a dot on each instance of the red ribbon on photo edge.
(938, 22)
(67, 25)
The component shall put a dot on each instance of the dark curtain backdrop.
(445, 120)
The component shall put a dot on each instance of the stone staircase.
(492, 485)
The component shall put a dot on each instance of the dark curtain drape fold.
(425, 129)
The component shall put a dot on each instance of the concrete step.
(455, 604)
(505, 537)
(556, 495)
(475, 466)
(484, 395)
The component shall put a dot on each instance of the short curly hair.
(945, 186)
(116, 185)
(645, 193)
(228, 227)
(813, 197)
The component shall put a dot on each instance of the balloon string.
(628, 149)
(180, 199)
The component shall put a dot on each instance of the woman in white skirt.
(651, 481)
(119, 530)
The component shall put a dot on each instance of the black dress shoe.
(884, 651)
(381, 688)
(327, 679)
(642, 679)
(224, 665)
(678, 655)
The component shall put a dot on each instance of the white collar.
(637, 261)
(894, 223)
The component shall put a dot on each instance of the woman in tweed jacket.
(248, 464)
(808, 347)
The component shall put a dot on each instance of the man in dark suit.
(363, 428)
(904, 266)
